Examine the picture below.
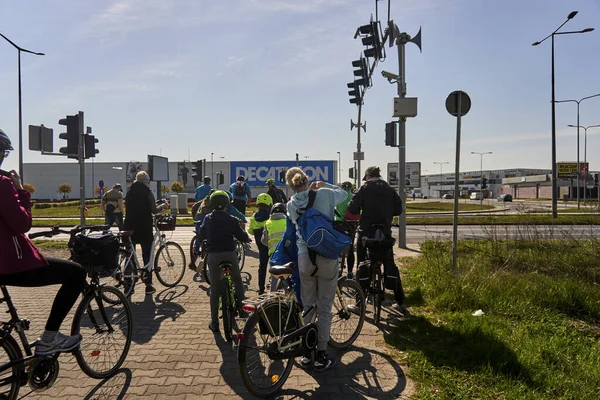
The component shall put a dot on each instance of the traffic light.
(71, 135)
(355, 96)
(372, 40)
(596, 179)
(362, 72)
(282, 176)
(90, 146)
(390, 134)
(220, 178)
(351, 173)
(484, 183)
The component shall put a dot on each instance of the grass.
(433, 206)
(50, 244)
(539, 336)
(181, 221)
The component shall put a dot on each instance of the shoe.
(261, 292)
(150, 289)
(323, 362)
(350, 275)
(214, 327)
(305, 361)
(61, 343)
(400, 307)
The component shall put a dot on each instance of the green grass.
(68, 211)
(181, 221)
(433, 206)
(539, 337)
(50, 244)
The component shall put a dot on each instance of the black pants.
(361, 254)
(263, 259)
(146, 250)
(240, 205)
(66, 273)
(114, 218)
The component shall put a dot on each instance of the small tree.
(29, 187)
(176, 187)
(164, 189)
(64, 188)
(97, 191)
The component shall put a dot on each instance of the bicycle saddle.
(281, 270)
(126, 233)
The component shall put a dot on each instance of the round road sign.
(453, 101)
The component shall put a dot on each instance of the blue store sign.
(256, 173)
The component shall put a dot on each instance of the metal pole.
(480, 179)
(585, 163)
(578, 166)
(456, 173)
(81, 171)
(358, 148)
(339, 168)
(402, 145)
(554, 172)
(212, 166)
(20, 124)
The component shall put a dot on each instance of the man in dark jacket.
(379, 203)
(140, 205)
(276, 194)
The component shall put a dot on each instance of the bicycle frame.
(158, 240)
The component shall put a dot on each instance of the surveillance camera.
(390, 77)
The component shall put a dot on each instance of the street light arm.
(567, 101)
(11, 42)
(589, 97)
(571, 32)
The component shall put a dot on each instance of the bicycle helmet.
(5, 144)
(347, 186)
(219, 200)
(270, 181)
(278, 208)
(206, 180)
(264, 198)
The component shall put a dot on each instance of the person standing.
(347, 255)
(112, 205)
(276, 194)
(241, 194)
(203, 190)
(141, 205)
(257, 224)
(318, 275)
(377, 203)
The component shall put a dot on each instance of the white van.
(476, 196)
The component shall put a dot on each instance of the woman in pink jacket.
(22, 264)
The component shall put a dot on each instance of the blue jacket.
(202, 191)
(219, 228)
(236, 197)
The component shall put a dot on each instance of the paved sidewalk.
(174, 355)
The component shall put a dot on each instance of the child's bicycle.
(198, 257)
(103, 318)
(276, 332)
(229, 302)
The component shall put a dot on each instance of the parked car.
(447, 196)
(505, 197)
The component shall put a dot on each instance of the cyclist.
(377, 202)
(218, 229)
(273, 232)
(140, 207)
(340, 215)
(318, 275)
(22, 264)
(276, 194)
(241, 194)
(112, 204)
(203, 190)
(257, 224)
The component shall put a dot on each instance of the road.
(416, 234)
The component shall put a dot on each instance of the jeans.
(114, 218)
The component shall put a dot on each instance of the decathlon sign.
(256, 173)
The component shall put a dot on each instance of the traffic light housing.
(351, 173)
(362, 72)
(484, 183)
(390, 134)
(282, 176)
(71, 135)
(220, 178)
(90, 146)
(354, 93)
(372, 40)
(197, 172)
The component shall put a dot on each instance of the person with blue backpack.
(318, 270)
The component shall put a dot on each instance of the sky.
(265, 79)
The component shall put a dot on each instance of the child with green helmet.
(257, 224)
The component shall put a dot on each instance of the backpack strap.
(312, 194)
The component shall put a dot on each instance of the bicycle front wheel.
(261, 375)
(106, 332)
(348, 314)
(226, 310)
(169, 264)
(193, 255)
(241, 252)
(11, 378)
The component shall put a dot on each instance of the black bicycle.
(103, 318)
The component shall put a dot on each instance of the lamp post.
(554, 172)
(339, 168)
(212, 167)
(585, 128)
(19, 50)
(441, 163)
(481, 176)
(577, 126)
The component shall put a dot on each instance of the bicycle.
(229, 301)
(170, 253)
(277, 331)
(105, 329)
(200, 258)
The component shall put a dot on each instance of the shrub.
(164, 189)
(176, 187)
(29, 187)
(64, 188)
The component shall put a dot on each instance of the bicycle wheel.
(377, 292)
(106, 330)
(205, 274)
(241, 252)
(193, 254)
(261, 375)
(169, 264)
(227, 310)
(11, 378)
(348, 314)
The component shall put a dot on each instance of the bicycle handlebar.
(78, 229)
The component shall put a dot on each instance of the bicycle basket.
(166, 222)
(96, 253)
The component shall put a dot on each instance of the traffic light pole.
(81, 160)
(401, 41)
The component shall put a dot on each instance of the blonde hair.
(142, 176)
(296, 178)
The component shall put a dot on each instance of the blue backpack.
(320, 233)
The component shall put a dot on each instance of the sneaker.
(400, 307)
(150, 289)
(214, 327)
(61, 343)
(350, 275)
(323, 362)
(305, 361)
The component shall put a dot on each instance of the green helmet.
(265, 199)
(270, 180)
(219, 200)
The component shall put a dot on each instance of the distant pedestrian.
(240, 191)
(203, 190)
(112, 205)
(184, 174)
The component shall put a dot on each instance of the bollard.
(182, 200)
(173, 204)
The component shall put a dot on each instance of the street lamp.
(481, 176)
(441, 163)
(19, 50)
(585, 128)
(212, 167)
(339, 168)
(577, 126)
(554, 175)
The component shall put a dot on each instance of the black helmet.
(206, 180)
(5, 142)
(278, 208)
(347, 186)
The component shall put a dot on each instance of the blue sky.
(264, 79)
